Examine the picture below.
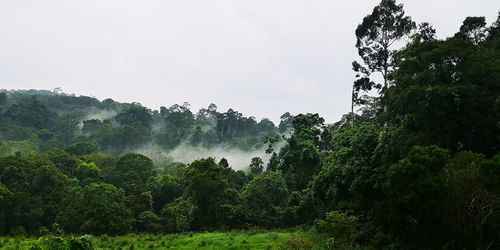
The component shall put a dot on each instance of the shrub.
(52, 242)
(297, 243)
(84, 242)
(338, 225)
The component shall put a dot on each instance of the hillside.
(41, 120)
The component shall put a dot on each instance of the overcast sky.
(261, 57)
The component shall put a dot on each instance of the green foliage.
(96, 208)
(205, 185)
(339, 226)
(21, 147)
(135, 114)
(164, 189)
(265, 196)
(82, 149)
(297, 243)
(474, 29)
(375, 36)
(132, 171)
(256, 166)
(418, 168)
(149, 222)
(444, 93)
(474, 185)
(177, 216)
(88, 172)
(419, 196)
(84, 242)
(300, 158)
(349, 179)
(206, 240)
(51, 242)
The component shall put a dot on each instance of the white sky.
(260, 57)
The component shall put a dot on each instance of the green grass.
(206, 240)
(11, 243)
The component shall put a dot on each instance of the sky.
(260, 57)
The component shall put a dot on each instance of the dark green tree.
(205, 186)
(473, 29)
(266, 197)
(132, 172)
(256, 166)
(97, 209)
(375, 37)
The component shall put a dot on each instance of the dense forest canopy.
(42, 120)
(417, 166)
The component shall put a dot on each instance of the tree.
(178, 216)
(300, 158)
(132, 172)
(273, 163)
(165, 189)
(134, 114)
(49, 184)
(5, 196)
(375, 37)
(82, 148)
(349, 179)
(285, 122)
(178, 120)
(266, 126)
(23, 209)
(266, 196)
(148, 221)
(34, 115)
(205, 185)
(98, 208)
(444, 94)
(474, 184)
(236, 179)
(419, 198)
(340, 226)
(88, 172)
(256, 166)
(3, 98)
(473, 29)
(91, 126)
(135, 126)
(425, 32)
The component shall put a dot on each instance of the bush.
(339, 226)
(84, 242)
(297, 243)
(52, 242)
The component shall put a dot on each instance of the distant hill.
(42, 120)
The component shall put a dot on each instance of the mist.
(100, 114)
(238, 159)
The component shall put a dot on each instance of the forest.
(414, 165)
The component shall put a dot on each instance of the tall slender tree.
(375, 37)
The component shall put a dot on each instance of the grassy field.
(213, 240)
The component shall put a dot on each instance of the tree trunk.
(352, 107)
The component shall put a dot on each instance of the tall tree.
(256, 166)
(375, 37)
(473, 29)
(205, 185)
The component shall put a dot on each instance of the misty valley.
(415, 164)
